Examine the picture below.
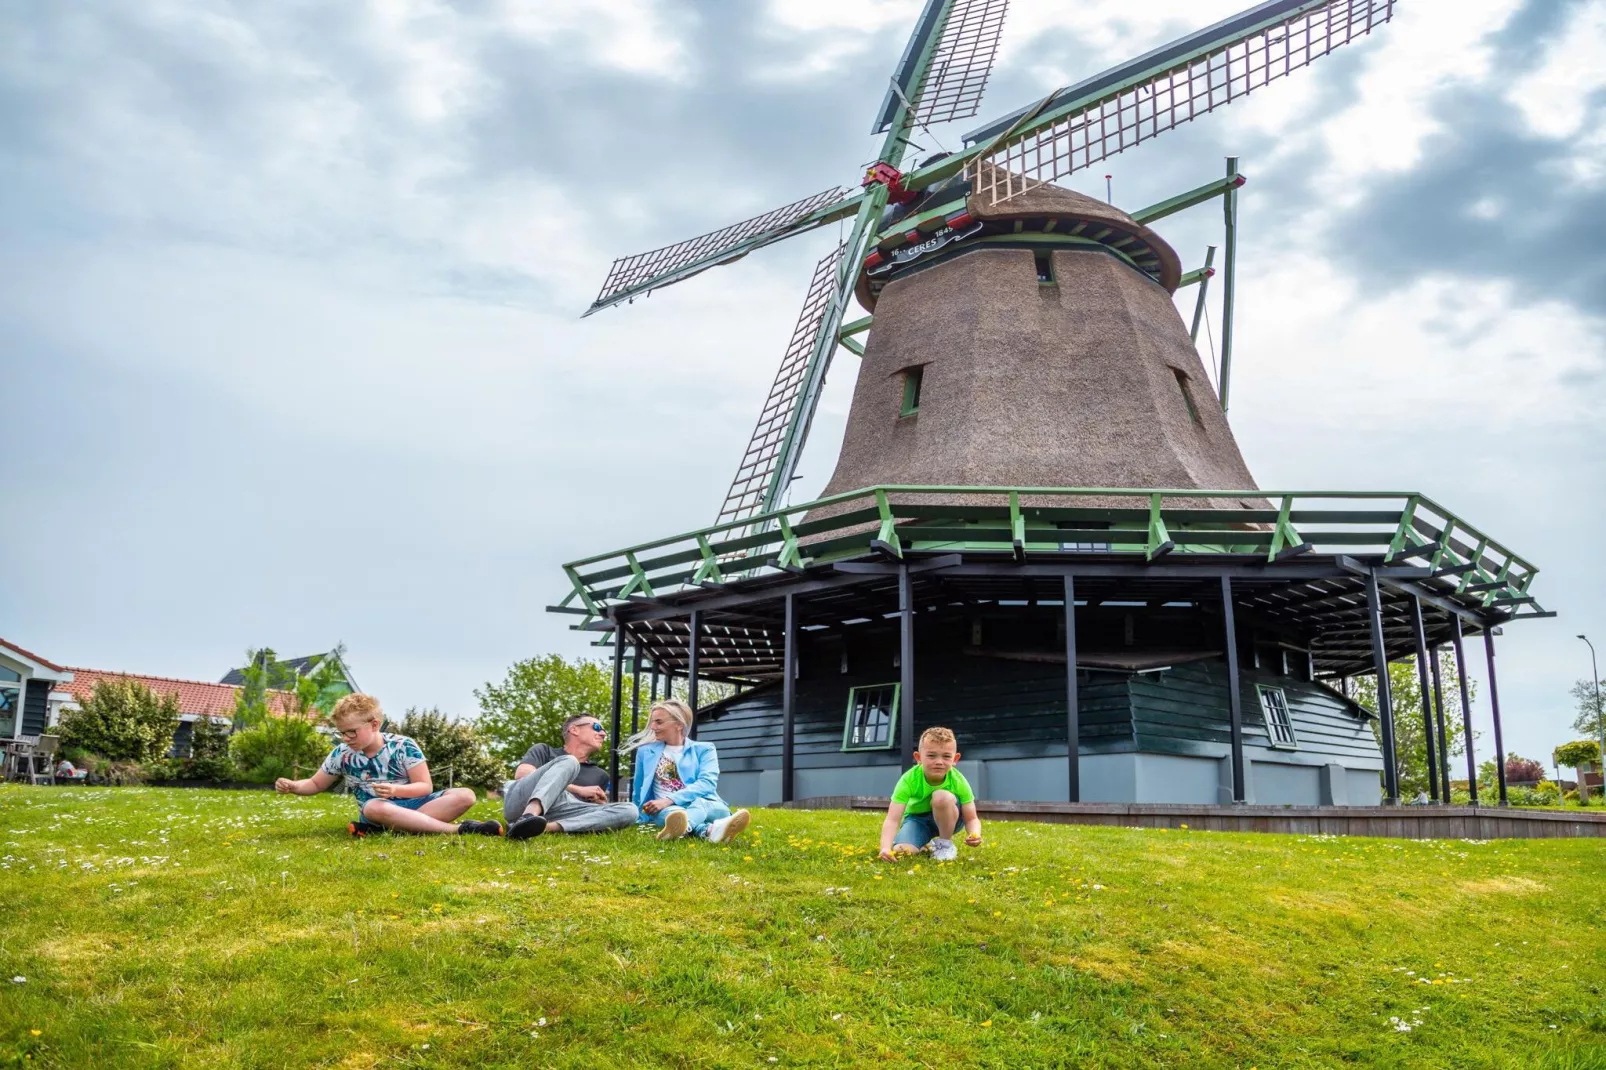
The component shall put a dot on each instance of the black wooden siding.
(1001, 708)
(1185, 705)
(35, 707)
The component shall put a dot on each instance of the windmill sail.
(633, 275)
(962, 62)
(758, 465)
(1129, 104)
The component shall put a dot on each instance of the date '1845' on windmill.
(1040, 531)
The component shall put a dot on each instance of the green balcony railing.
(1401, 527)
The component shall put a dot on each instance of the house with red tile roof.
(42, 689)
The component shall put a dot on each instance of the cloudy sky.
(289, 313)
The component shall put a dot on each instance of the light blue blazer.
(699, 770)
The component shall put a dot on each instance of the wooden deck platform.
(1399, 822)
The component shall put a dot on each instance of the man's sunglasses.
(596, 726)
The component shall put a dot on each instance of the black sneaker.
(527, 827)
(361, 828)
(479, 828)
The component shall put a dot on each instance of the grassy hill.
(194, 928)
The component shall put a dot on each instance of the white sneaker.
(943, 850)
(727, 829)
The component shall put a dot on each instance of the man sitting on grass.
(937, 797)
(563, 790)
(388, 775)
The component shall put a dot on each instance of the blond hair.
(672, 706)
(937, 734)
(357, 707)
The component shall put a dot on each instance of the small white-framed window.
(1279, 726)
(872, 721)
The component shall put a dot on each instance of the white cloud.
(627, 35)
(1555, 97)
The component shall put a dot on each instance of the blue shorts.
(918, 830)
(405, 804)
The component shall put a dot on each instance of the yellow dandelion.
(988, 1024)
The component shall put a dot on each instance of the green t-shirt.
(915, 791)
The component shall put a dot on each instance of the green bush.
(453, 746)
(279, 746)
(1544, 793)
(122, 720)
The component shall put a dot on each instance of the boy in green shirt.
(937, 797)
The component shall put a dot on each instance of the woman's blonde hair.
(672, 706)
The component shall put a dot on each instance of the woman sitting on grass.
(676, 784)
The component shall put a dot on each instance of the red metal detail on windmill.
(875, 259)
(960, 219)
(892, 178)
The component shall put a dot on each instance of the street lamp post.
(1600, 722)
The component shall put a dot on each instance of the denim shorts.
(918, 830)
(407, 804)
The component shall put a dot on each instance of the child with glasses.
(930, 802)
(564, 790)
(388, 775)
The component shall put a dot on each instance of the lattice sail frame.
(1134, 113)
(962, 61)
(669, 263)
(746, 495)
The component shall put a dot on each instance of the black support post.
(1235, 701)
(906, 663)
(788, 697)
(1429, 747)
(1438, 724)
(1073, 709)
(618, 699)
(1466, 709)
(1494, 707)
(635, 692)
(691, 669)
(1385, 702)
(652, 696)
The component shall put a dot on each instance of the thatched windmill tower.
(1032, 355)
(1039, 520)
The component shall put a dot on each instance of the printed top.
(396, 756)
(666, 778)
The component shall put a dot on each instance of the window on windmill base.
(872, 718)
(1274, 704)
(1045, 267)
(1187, 395)
(911, 390)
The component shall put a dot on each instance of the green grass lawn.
(151, 927)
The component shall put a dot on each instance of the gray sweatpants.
(550, 784)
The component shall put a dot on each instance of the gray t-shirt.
(590, 775)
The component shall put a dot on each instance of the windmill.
(999, 183)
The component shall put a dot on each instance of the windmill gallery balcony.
(1206, 660)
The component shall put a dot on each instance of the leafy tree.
(1590, 716)
(1579, 753)
(309, 696)
(122, 720)
(534, 699)
(1410, 740)
(453, 745)
(278, 746)
(539, 694)
(1520, 770)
